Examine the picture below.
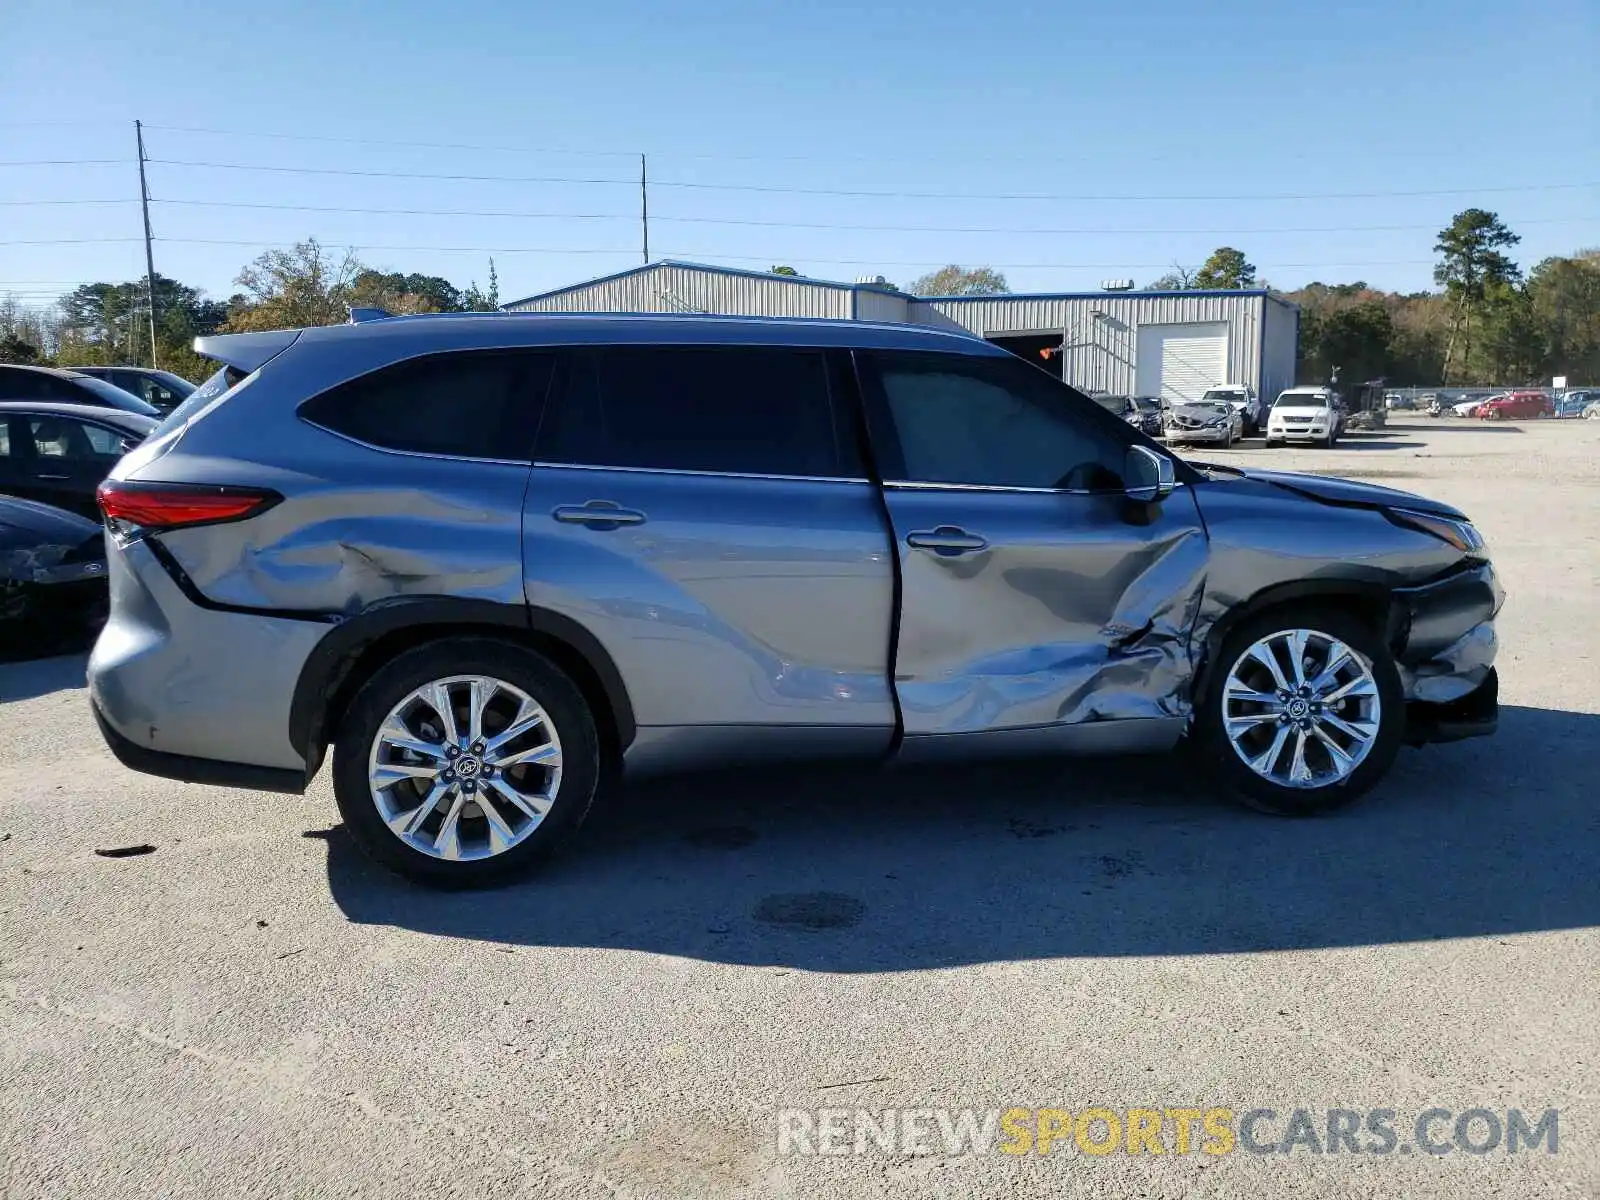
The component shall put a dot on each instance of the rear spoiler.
(246, 352)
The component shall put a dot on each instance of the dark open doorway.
(1043, 350)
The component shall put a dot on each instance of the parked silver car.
(1213, 422)
(488, 559)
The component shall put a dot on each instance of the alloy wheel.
(465, 767)
(1301, 708)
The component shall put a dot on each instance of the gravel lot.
(251, 1009)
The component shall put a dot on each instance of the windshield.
(110, 396)
(1300, 400)
(176, 384)
(1227, 395)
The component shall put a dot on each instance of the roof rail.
(360, 315)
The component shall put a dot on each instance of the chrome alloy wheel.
(1301, 709)
(465, 768)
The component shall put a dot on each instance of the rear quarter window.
(476, 404)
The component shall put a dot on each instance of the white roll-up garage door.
(1179, 362)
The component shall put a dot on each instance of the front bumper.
(1444, 640)
(1298, 433)
(1477, 714)
(1176, 433)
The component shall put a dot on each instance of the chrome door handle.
(598, 514)
(947, 540)
(53, 478)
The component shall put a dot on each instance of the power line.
(357, 141)
(864, 192)
(223, 166)
(1050, 266)
(63, 162)
(1408, 155)
(376, 246)
(46, 203)
(828, 225)
(70, 241)
(404, 212)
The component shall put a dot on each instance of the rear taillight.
(173, 505)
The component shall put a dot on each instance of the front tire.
(1303, 712)
(463, 761)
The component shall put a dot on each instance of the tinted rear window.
(727, 409)
(465, 405)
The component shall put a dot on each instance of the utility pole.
(149, 258)
(644, 208)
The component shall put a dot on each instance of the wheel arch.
(1370, 602)
(358, 646)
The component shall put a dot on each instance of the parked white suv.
(1305, 414)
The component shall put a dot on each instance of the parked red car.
(1515, 404)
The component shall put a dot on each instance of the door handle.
(947, 541)
(598, 514)
(54, 478)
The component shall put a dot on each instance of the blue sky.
(1157, 129)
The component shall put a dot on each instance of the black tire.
(551, 689)
(1259, 793)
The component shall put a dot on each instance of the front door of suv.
(702, 511)
(1037, 601)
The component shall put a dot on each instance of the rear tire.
(462, 811)
(1375, 702)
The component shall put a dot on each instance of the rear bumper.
(196, 770)
(190, 692)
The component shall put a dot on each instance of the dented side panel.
(413, 526)
(1265, 537)
(1070, 614)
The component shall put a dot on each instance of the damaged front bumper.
(1444, 640)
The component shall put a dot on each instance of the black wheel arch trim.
(1367, 591)
(328, 666)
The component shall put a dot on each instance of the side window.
(104, 442)
(988, 421)
(736, 409)
(63, 440)
(472, 404)
(5, 437)
(130, 381)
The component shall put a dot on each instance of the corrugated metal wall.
(668, 288)
(1281, 323)
(873, 305)
(1101, 352)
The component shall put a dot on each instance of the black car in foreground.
(58, 453)
(52, 579)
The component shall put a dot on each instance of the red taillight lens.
(171, 505)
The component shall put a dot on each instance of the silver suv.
(488, 559)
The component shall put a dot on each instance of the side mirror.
(1147, 477)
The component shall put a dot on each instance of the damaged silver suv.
(490, 559)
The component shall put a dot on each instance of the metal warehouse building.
(1171, 344)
